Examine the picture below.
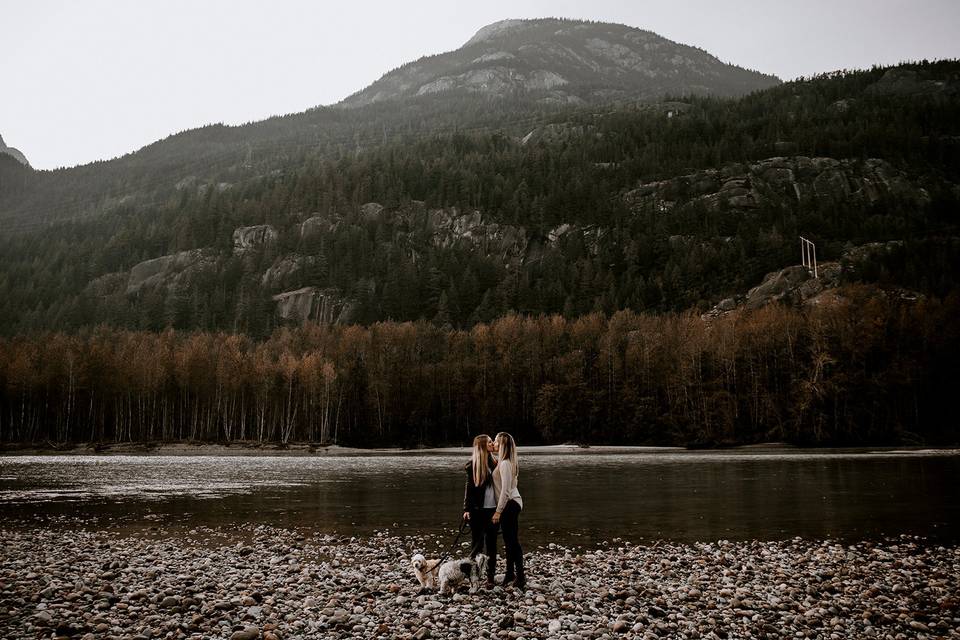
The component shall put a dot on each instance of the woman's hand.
(496, 518)
(466, 515)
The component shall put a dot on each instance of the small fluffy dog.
(426, 570)
(454, 572)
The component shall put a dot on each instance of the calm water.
(570, 498)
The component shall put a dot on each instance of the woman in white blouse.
(509, 506)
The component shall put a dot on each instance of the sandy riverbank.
(263, 582)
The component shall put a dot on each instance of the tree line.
(866, 368)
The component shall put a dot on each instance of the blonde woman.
(509, 506)
(480, 502)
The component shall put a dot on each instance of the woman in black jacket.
(480, 503)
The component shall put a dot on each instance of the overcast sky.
(82, 80)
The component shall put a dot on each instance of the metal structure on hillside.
(808, 255)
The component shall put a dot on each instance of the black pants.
(510, 523)
(484, 535)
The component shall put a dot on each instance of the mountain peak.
(563, 61)
(493, 30)
(15, 153)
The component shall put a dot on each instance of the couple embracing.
(491, 501)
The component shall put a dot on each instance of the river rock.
(170, 601)
(248, 633)
(43, 617)
(363, 587)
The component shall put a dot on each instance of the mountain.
(400, 271)
(557, 61)
(379, 213)
(15, 153)
(547, 67)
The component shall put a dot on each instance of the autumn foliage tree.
(868, 368)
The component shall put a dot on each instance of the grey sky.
(93, 79)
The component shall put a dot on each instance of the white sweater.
(505, 485)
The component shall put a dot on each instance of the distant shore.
(292, 449)
(303, 449)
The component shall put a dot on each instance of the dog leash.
(446, 554)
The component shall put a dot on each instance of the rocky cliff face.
(565, 61)
(310, 304)
(15, 153)
(449, 227)
(247, 238)
(316, 225)
(779, 181)
(413, 228)
(796, 285)
(171, 270)
(286, 267)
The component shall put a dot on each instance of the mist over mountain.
(556, 61)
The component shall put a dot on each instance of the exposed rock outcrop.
(247, 238)
(495, 80)
(15, 153)
(170, 270)
(316, 225)
(592, 235)
(285, 267)
(493, 30)
(310, 304)
(371, 210)
(855, 255)
(901, 81)
(557, 132)
(565, 61)
(450, 227)
(220, 187)
(779, 181)
(796, 286)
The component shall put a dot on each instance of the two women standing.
(491, 500)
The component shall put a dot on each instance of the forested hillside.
(652, 207)
(414, 269)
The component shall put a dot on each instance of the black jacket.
(473, 495)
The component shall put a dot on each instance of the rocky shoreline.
(258, 581)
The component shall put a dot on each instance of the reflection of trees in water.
(571, 499)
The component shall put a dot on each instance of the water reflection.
(569, 498)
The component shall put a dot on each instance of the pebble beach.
(262, 582)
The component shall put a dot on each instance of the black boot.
(520, 582)
(491, 573)
(509, 576)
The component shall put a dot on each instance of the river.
(583, 499)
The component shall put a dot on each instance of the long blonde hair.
(479, 458)
(507, 449)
